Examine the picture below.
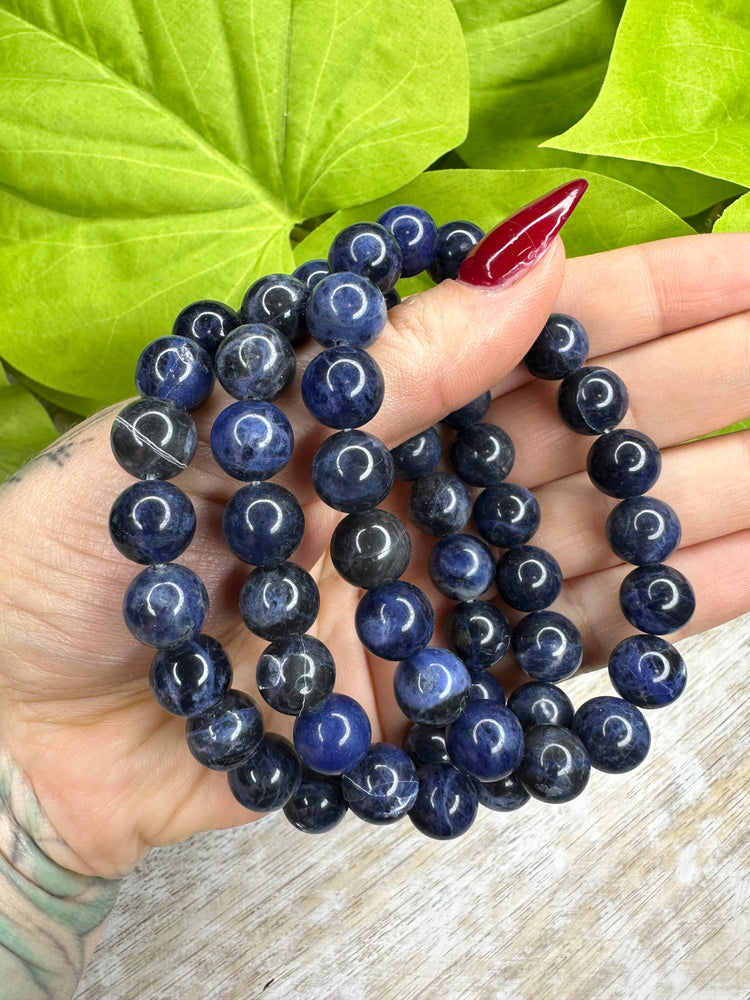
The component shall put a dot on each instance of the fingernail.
(511, 248)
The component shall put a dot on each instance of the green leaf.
(25, 427)
(157, 151)
(735, 218)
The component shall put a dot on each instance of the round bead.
(560, 348)
(614, 733)
(528, 578)
(415, 232)
(153, 438)
(506, 515)
(657, 599)
(482, 454)
(175, 368)
(647, 671)
(555, 766)
(392, 299)
(468, 414)
(227, 734)
(263, 524)
(277, 602)
(165, 604)
(503, 795)
(207, 322)
(417, 455)
(352, 471)
(432, 686)
(311, 272)
(383, 786)
(454, 241)
(191, 676)
(478, 633)
(538, 702)
(623, 463)
(439, 504)
(643, 530)
(446, 803)
(251, 440)
(318, 804)
(371, 548)
(295, 675)
(426, 744)
(152, 522)
(343, 387)
(334, 737)
(369, 250)
(269, 779)
(592, 400)
(394, 620)
(486, 741)
(280, 301)
(486, 687)
(255, 361)
(346, 309)
(461, 566)
(547, 646)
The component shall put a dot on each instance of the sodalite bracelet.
(465, 746)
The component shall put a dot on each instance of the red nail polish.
(511, 248)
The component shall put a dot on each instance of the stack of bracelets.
(466, 745)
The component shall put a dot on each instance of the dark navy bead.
(547, 646)
(478, 633)
(643, 530)
(255, 361)
(614, 733)
(623, 463)
(207, 322)
(416, 234)
(371, 548)
(318, 804)
(446, 804)
(538, 702)
(152, 522)
(426, 744)
(432, 686)
(392, 299)
(560, 348)
(486, 741)
(461, 566)
(555, 765)
(417, 455)
(469, 414)
(153, 438)
(311, 272)
(647, 671)
(252, 440)
(190, 677)
(343, 387)
(454, 241)
(506, 515)
(439, 504)
(227, 734)
(383, 786)
(278, 300)
(528, 578)
(295, 675)
(592, 400)
(334, 737)
(394, 620)
(263, 524)
(369, 250)
(270, 778)
(486, 687)
(277, 602)
(482, 454)
(165, 604)
(503, 795)
(346, 309)
(175, 368)
(657, 599)
(352, 471)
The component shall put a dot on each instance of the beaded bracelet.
(466, 745)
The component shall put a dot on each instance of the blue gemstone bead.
(416, 234)
(277, 602)
(592, 400)
(446, 803)
(165, 604)
(295, 675)
(352, 471)
(417, 455)
(560, 348)
(269, 779)
(280, 301)
(207, 322)
(392, 299)
(657, 599)
(191, 676)
(369, 250)
(547, 646)
(486, 741)
(252, 440)
(343, 387)
(334, 737)
(311, 272)
(394, 620)
(486, 687)
(263, 524)
(454, 241)
(371, 548)
(383, 786)
(175, 368)
(426, 744)
(255, 361)
(528, 578)
(432, 686)
(503, 795)
(538, 702)
(555, 766)
(469, 414)
(647, 671)
(318, 804)
(623, 463)
(506, 515)
(461, 566)
(478, 633)
(227, 734)
(152, 522)
(614, 733)
(482, 454)
(153, 438)
(439, 504)
(643, 530)
(346, 309)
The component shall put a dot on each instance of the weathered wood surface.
(639, 889)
